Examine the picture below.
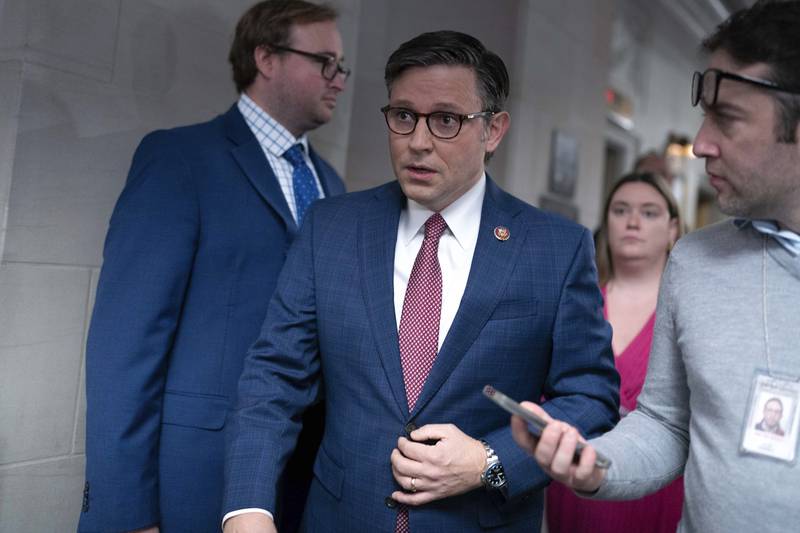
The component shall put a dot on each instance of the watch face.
(496, 476)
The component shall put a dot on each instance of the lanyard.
(764, 301)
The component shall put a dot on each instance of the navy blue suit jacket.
(530, 323)
(194, 248)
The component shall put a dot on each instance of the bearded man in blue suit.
(399, 303)
(193, 252)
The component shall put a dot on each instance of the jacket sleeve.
(148, 257)
(280, 380)
(650, 447)
(582, 385)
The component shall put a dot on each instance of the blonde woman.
(640, 226)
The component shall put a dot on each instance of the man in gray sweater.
(727, 327)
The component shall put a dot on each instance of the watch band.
(493, 475)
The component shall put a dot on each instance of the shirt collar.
(788, 239)
(460, 216)
(271, 134)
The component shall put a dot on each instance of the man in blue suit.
(193, 252)
(400, 303)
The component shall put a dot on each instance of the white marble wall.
(81, 81)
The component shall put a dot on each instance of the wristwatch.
(493, 476)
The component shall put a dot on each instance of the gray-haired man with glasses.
(725, 347)
(401, 303)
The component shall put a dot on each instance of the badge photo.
(772, 423)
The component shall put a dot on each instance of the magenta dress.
(656, 513)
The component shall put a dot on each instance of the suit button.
(390, 502)
(85, 506)
(410, 427)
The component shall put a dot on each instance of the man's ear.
(265, 60)
(496, 130)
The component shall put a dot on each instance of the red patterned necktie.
(419, 323)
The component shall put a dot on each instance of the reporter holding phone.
(725, 338)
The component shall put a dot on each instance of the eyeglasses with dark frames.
(330, 67)
(441, 124)
(705, 85)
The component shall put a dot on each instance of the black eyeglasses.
(441, 124)
(330, 67)
(705, 85)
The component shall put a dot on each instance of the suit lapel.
(492, 265)
(377, 238)
(329, 180)
(251, 159)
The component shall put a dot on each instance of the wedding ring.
(413, 484)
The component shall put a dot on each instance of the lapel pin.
(501, 233)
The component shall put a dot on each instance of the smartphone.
(535, 423)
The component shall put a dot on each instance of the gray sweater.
(707, 345)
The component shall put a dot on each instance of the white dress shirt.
(456, 248)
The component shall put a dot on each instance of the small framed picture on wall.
(563, 164)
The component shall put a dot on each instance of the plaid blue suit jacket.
(530, 323)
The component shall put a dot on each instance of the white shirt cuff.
(245, 511)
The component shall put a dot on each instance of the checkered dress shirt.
(275, 140)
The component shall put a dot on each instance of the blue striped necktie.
(303, 182)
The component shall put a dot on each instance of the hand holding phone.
(535, 423)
